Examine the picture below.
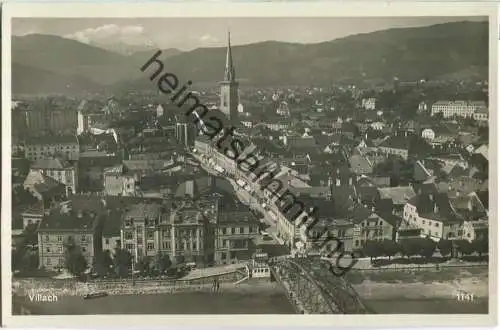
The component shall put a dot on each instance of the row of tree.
(25, 251)
(424, 247)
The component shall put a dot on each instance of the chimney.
(436, 208)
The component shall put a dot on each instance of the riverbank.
(421, 285)
(254, 297)
(30, 287)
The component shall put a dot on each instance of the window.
(151, 246)
(60, 249)
(242, 230)
(129, 246)
(150, 235)
(436, 224)
(194, 246)
(380, 223)
(84, 238)
(223, 255)
(139, 240)
(468, 234)
(128, 235)
(48, 249)
(84, 249)
(49, 261)
(46, 238)
(107, 241)
(356, 243)
(233, 230)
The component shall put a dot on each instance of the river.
(234, 303)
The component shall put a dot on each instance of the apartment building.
(118, 183)
(465, 109)
(62, 228)
(52, 146)
(139, 230)
(481, 115)
(62, 171)
(434, 215)
(50, 118)
(187, 232)
(369, 103)
(236, 230)
(396, 145)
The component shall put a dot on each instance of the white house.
(428, 134)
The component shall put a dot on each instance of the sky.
(191, 33)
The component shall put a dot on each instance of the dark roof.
(112, 223)
(298, 142)
(484, 197)
(51, 163)
(396, 142)
(435, 206)
(106, 161)
(52, 139)
(232, 217)
(77, 221)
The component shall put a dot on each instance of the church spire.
(229, 70)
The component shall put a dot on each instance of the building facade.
(52, 146)
(64, 172)
(465, 109)
(59, 231)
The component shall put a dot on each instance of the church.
(229, 88)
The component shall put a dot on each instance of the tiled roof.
(435, 207)
(396, 142)
(52, 139)
(398, 195)
(243, 216)
(50, 163)
(112, 223)
(85, 221)
(143, 211)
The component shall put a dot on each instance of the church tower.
(229, 88)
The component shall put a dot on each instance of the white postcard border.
(225, 9)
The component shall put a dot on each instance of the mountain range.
(458, 49)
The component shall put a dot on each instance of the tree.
(480, 246)
(24, 259)
(103, 263)
(163, 262)
(75, 262)
(30, 235)
(464, 247)
(426, 247)
(122, 262)
(390, 248)
(143, 265)
(445, 246)
(372, 249)
(409, 247)
(180, 259)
